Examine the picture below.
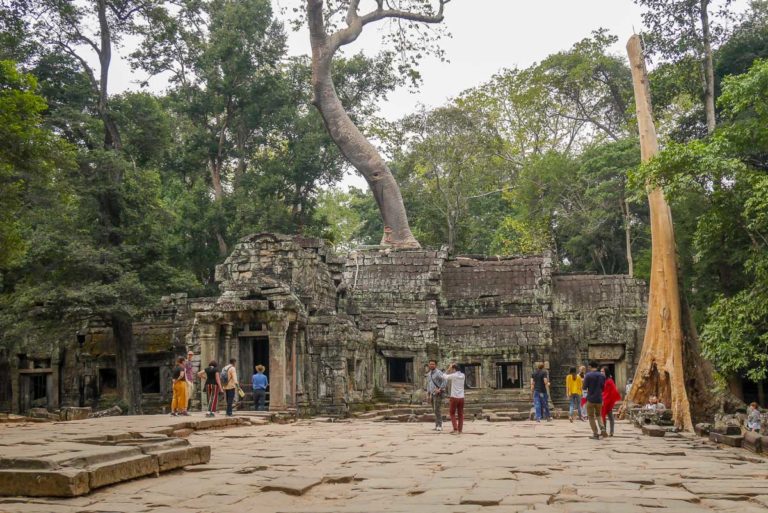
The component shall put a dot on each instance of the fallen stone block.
(122, 470)
(44, 483)
(753, 442)
(109, 412)
(653, 430)
(703, 428)
(730, 440)
(174, 458)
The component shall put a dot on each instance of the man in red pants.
(456, 378)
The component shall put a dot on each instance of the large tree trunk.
(709, 69)
(628, 236)
(352, 143)
(112, 139)
(128, 378)
(660, 370)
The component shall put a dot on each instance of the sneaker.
(174, 414)
(439, 428)
(184, 414)
(603, 435)
(595, 437)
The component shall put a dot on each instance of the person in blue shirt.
(260, 384)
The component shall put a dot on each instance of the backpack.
(225, 375)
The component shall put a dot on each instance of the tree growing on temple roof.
(336, 23)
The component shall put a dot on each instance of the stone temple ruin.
(338, 333)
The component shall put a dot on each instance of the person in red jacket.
(610, 397)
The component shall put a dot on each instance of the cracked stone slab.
(292, 485)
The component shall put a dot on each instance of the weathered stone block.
(44, 483)
(753, 442)
(75, 413)
(731, 440)
(653, 430)
(122, 470)
(703, 428)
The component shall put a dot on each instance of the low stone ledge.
(754, 442)
(730, 440)
(44, 483)
(654, 430)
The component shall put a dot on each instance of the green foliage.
(29, 154)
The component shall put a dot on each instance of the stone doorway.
(35, 390)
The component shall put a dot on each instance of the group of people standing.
(214, 381)
(592, 395)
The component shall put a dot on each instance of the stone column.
(278, 333)
(15, 385)
(208, 338)
(54, 401)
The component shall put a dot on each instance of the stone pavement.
(368, 467)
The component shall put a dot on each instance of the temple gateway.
(339, 332)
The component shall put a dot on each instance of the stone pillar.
(278, 333)
(15, 388)
(54, 401)
(207, 338)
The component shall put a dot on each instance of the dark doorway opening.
(509, 375)
(610, 370)
(107, 381)
(253, 351)
(150, 380)
(400, 370)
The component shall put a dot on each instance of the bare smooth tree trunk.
(352, 143)
(628, 236)
(661, 367)
(709, 68)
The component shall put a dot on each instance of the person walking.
(594, 382)
(539, 389)
(456, 378)
(583, 403)
(260, 384)
(189, 371)
(179, 401)
(212, 386)
(436, 390)
(229, 384)
(611, 396)
(573, 384)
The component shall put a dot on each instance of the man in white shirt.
(456, 379)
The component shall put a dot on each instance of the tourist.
(594, 382)
(435, 390)
(189, 370)
(260, 384)
(583, 403)
(539, 389)
(753, 417)
(654, 405)
(628, 388)
(212, 386)
(611, 396)
(573, 388)
(179, 376)
(456, 378)
(229, 384)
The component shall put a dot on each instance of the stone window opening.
(400, 370)
(472, 374)
(150, 380)
(107, 381)
(509, 375)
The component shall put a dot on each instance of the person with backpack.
(179, 401)
(228, 380)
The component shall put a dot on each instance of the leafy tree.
(30, 156)
(683, 31)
